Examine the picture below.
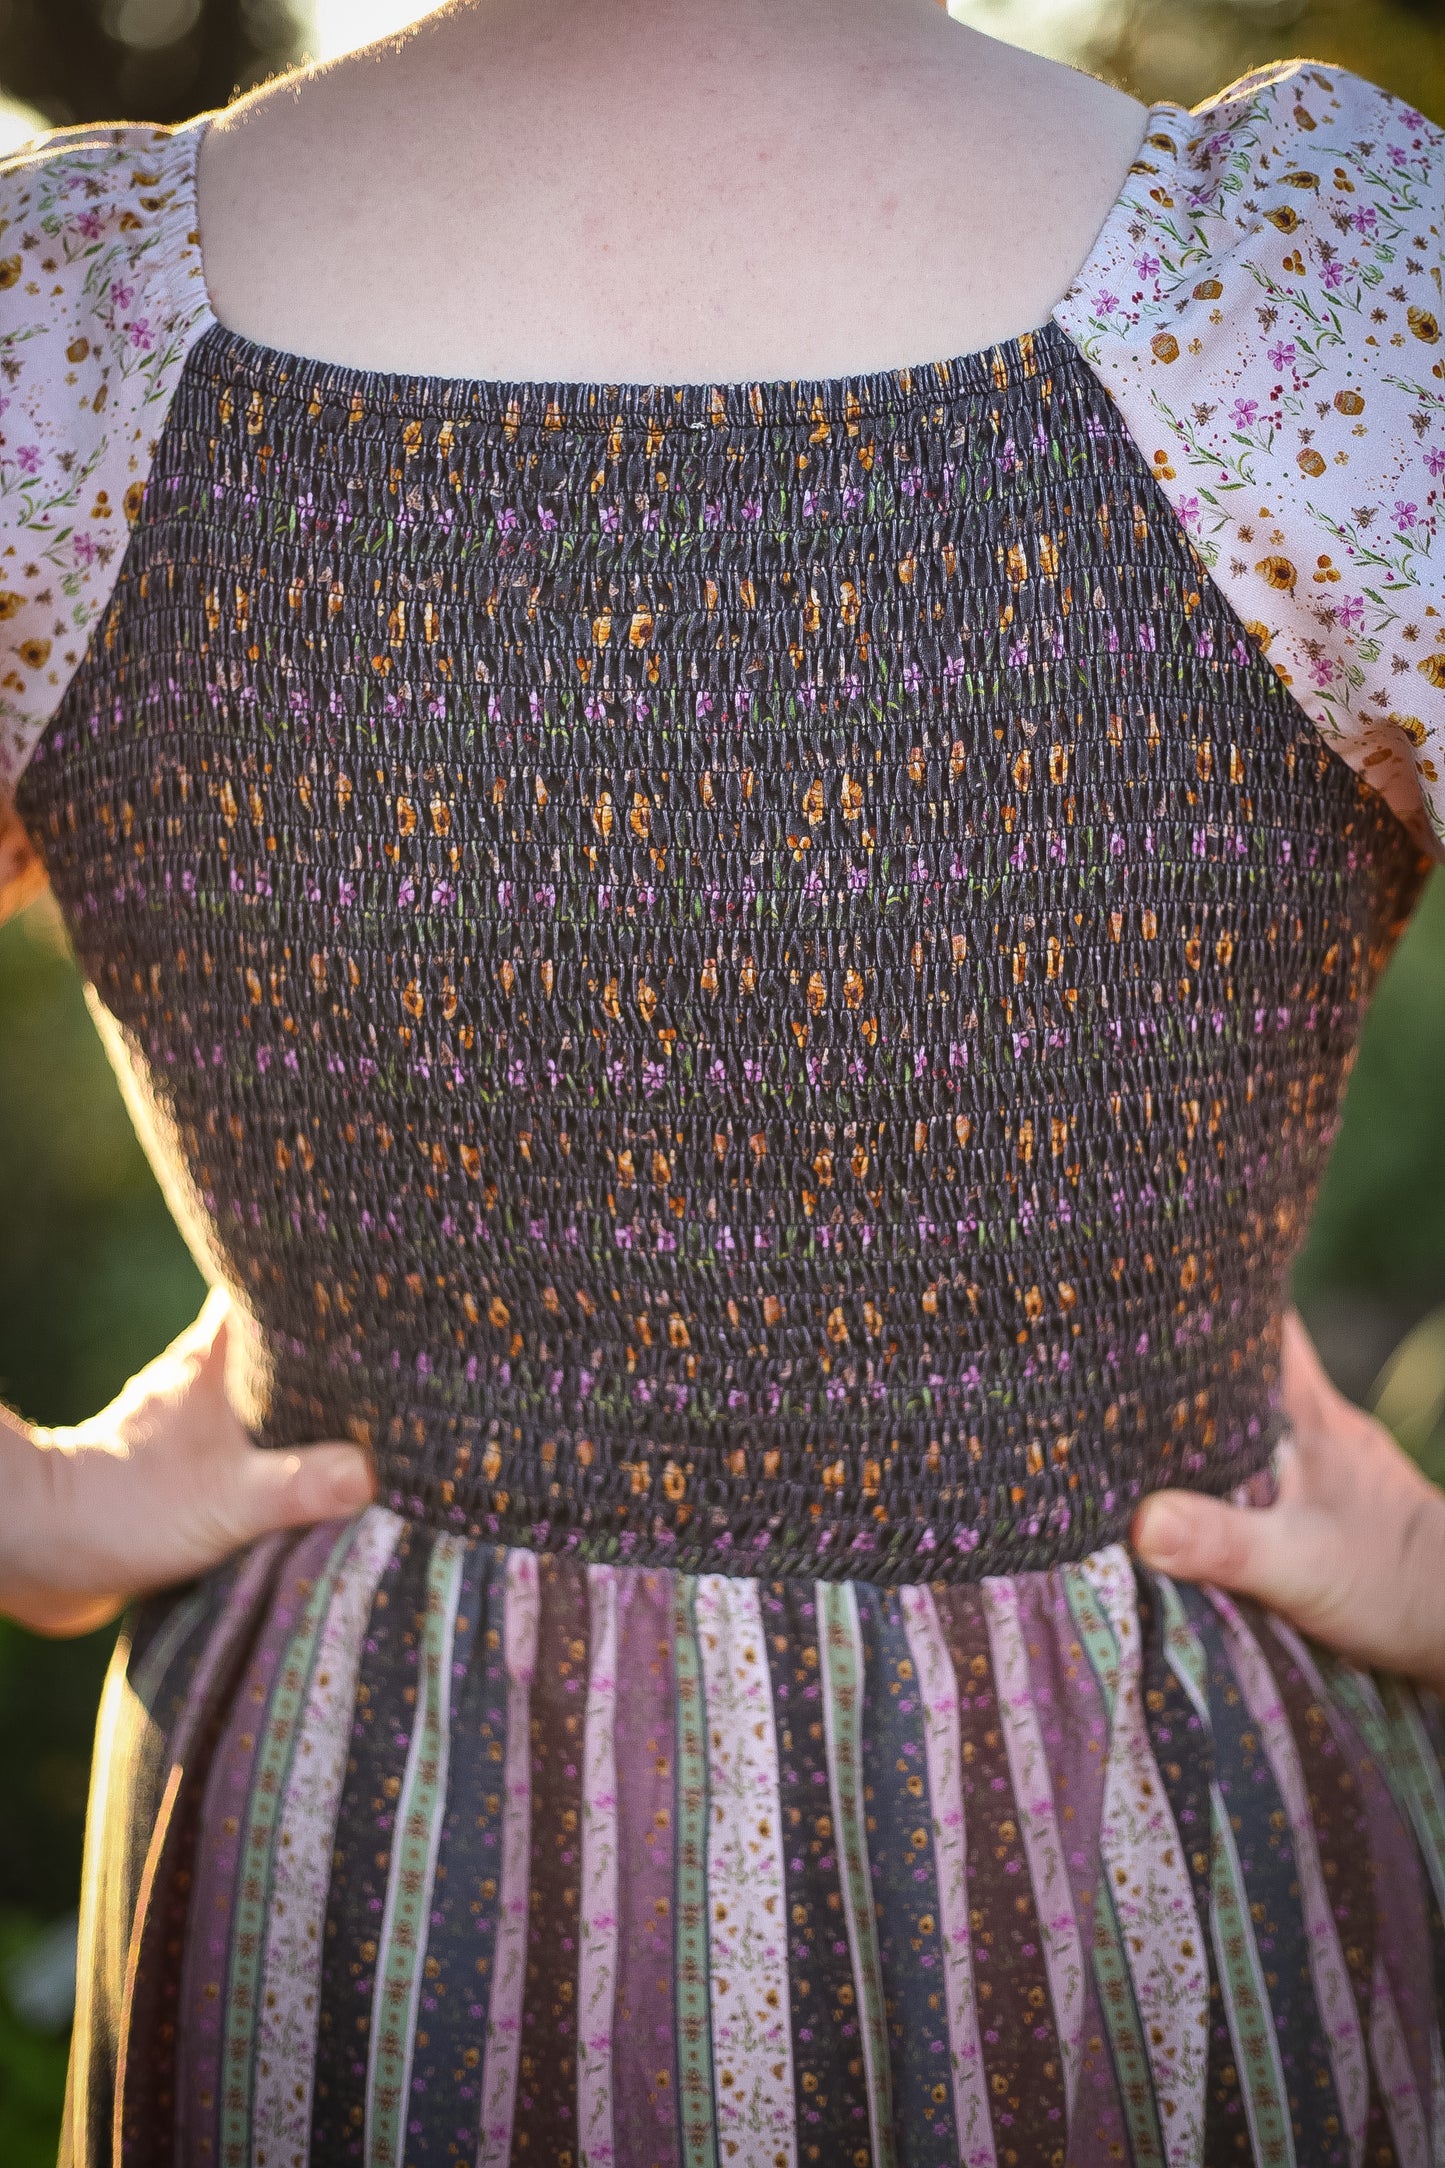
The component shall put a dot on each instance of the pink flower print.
(85, 549)
(1333, 276)
(1106, 303)
(139, 334)
(1322, 670)
(1243, 412)
(1350, 613)
(1435, 460)
(506, 519)
(852, 497)
(1148, 640)
(27, 459)
(1365, 219)
(1406, 514)
(610, 518)
(753, 509)
(912, 677)
(121, 295)
(1189, 511)
(1147, 266)
(1282, 354)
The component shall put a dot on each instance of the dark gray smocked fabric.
(756, 978)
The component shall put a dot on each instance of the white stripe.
(509, 1970)
(1391, 2058)
(1150, 1886)
(288, 1999)
(597, 1963)
(1038, 1817)
(942, 1751)
(747, 1904)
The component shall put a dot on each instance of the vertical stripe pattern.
(438, 1852)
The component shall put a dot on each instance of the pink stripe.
(943, 1751)
(223, 1814)
(644, 2059)
(1074, 1726)
(1065, 1957)
(509, 1974)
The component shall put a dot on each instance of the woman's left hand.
(1353, 1549)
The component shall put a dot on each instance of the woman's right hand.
(158, 1487)
(1353, 1549)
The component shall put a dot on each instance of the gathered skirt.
(409, 1850)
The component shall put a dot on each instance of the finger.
(1203, 1539)
(1308, 1393)
(274, 1489)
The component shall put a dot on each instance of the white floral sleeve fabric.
(101, 298)
(1264, 305)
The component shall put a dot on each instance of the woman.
(738, 947)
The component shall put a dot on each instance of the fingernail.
(1161, 1528)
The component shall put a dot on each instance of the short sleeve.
(1264, 306)
(101, 299)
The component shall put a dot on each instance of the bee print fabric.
(750, 985)
(1264, 304)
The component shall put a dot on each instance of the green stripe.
(413, 1867)
(1422, 1775)
(694, 2017)
(257, 1860)
(1388, 1742)
(1111, 1971)
(1241, 1975)
(842, 1718)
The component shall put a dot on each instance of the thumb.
(1202, 1539)
(287, 1489)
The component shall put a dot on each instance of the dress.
(750, 985)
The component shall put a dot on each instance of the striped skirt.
(406, 1850)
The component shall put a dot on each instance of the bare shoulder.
(507, 194)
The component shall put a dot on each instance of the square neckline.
(595, 403)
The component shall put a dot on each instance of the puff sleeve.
(1264, 305)
(101, 298)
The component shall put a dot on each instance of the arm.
(1353, 1549)
(159, 1486)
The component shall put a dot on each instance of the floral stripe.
(254, 1892)
(1116, 1984)
(830, 2079)
(289, 1999)
(213, 1925)
(694, 1820)
(1150, 1886)
(412, 1869)
(841, 1648)
(146, 2080)
(1252, 2040)
(938, 1686)
(646, 2104)
(597, 1955)
(1033, 1796)
(747, 1929)
(1396, 2079)
(905, 1883)
(444, 2110)
(1332, 1988)
(509, 1973)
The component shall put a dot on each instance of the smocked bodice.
(746, 982)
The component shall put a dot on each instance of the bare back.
(661, 193)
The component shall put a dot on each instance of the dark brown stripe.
(1016, 2021)
(545, 2126)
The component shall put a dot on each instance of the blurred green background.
(93, 1277)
